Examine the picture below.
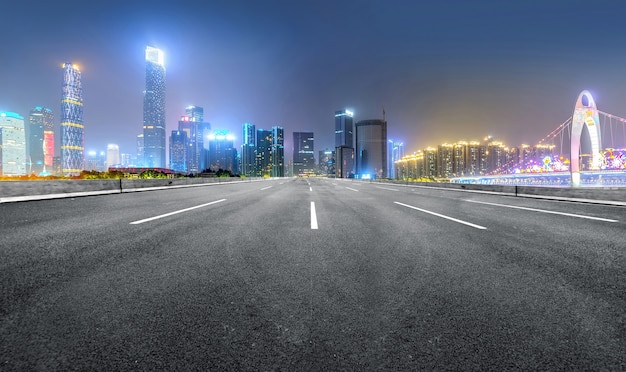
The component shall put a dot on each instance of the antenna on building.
(384, 113)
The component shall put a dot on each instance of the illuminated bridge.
(588, 149)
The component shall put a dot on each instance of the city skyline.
(443, 72)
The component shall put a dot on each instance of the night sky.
(443, 70)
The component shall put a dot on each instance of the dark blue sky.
(444, 70)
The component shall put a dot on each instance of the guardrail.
(36, 190)
(611, 195)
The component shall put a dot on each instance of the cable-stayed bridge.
(587, 149)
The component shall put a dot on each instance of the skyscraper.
(154, 109)
(12, 144)
(371, 148)
(72, 129)
(343, 128)
(43, 116)
(222, 152)
(344, 146)
(263, 153)
(303, 153)
(248, 150)
(35, 141)
(178, 151)
(278, 152)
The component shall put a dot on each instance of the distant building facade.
(12, 144)
(344, 144)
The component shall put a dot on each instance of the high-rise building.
(140, 150)
(303, 153)
(41, 139)
(222, 152)
(444, 160)
(113, 156)
(72, 129)
(34, 142)
(96, 161)
(395, 152)
(248, 150)
(371, 148)
(178, 151)
(263, 153)
(344, 144)
(154, 109)
(343, 128)
(278, 152)
(12, 144)
(326, 163)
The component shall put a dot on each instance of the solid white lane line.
(175, 212)
(313, 217)
(265, 188)
(386, 188)
(544, 211)
(350, 188)
(310, 189)
(443, 216)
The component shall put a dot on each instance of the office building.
(113, 156)
(12, 144)
(278, 152)
(371, 149)
(222, 152)
(303, 153)
(72, 129)
(326, 163)
(178, 151)
(344, 144)
(263, 153)
(154, 109)
(41, 139)
(248, 150)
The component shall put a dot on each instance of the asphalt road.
(311, 274)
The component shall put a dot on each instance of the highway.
(312, 274)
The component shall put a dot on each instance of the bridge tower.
(585, 114)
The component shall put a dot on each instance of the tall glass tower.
(248, 150)
(278, 152)
(72, 129)
(154, 109)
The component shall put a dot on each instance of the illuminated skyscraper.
(248, 151)
(42, 116)
(34, 142)
(344, 145)
(12, 144)
(371, 148)
(197, 134)
(303, 153)
(178, 151)
(343, 128)
(72, 129)
(154, 109)
(222, 153)
(278, 152)
(263, 153)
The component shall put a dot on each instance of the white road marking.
(443, 216)
(544, 211)
(175, 212)
(350, 188)
(386, 188)
(334, 184)
(313, 217)
(265, 188)
(310, 189)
